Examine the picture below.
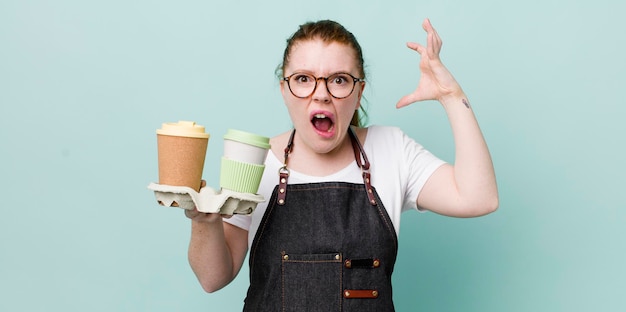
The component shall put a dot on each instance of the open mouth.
(322, 122)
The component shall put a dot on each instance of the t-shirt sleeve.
(421, 164)
(240, 221)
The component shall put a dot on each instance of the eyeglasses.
(339, 85)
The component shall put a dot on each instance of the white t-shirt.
(399, 168)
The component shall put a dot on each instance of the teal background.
(84, 85)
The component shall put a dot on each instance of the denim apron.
(326, 246)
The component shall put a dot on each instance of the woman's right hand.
(203, 217)
(217, 249)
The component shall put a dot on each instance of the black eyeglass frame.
(354, 81)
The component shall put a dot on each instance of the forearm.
(473, 168)
(210, 256)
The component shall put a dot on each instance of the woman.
(327, 237)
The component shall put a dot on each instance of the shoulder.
(386, 135)
(393, 144)
(279, 142)
(384, 130)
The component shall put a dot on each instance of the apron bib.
(326, 246)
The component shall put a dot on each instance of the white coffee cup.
(245, 147)
(243, 161)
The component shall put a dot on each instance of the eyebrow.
(312, 74)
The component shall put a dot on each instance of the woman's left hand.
(436, 82)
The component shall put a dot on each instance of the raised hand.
(436, 82)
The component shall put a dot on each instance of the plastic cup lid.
(183, 129)
(248, 138)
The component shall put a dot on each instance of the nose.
(321, 93)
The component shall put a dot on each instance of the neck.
(304, 160)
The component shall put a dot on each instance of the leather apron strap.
(359, 155)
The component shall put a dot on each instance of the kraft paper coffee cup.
(182, 149)
(243, 161)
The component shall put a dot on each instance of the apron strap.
(359, 155)
(283, 172)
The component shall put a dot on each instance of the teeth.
(323, 116)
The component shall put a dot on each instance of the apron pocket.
(312, 282)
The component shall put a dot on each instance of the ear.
(360, 91)
(282, 88)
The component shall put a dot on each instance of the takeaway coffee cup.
(182, 149)
(243, 161)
